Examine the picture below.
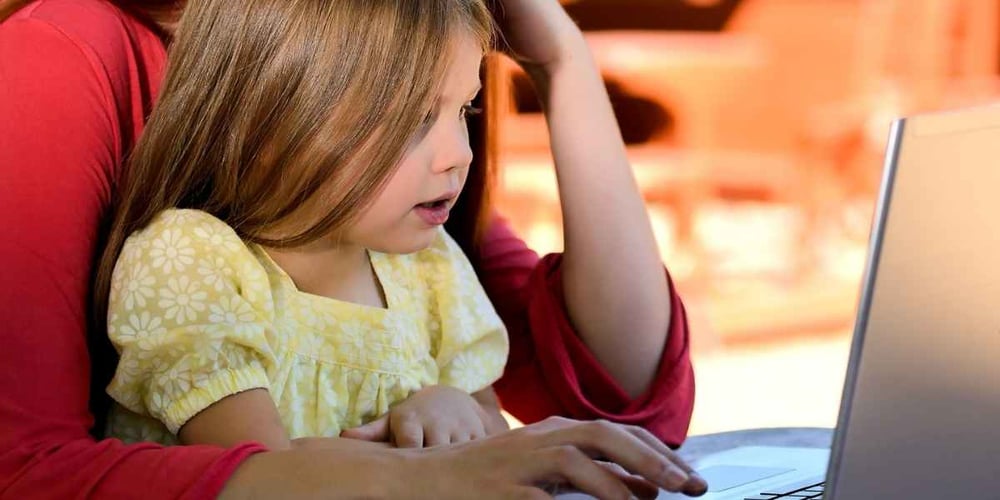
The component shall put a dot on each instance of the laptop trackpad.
(724, 477)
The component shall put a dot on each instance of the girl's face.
(417, 198)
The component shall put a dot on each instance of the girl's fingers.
(436, 436)
(407, 433)
(376, 430)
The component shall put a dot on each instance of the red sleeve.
(59, 145)
(551, 371)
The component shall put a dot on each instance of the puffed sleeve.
(190, 313)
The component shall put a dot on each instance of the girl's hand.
(433, 416)
(539, 33)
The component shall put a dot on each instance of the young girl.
(276, 267)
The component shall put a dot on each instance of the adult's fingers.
(616, 444)
(648, 438)
(569, 465)
(640, 487)
(696, 485)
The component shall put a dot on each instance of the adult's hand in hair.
(537, 33)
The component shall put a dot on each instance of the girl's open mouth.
(434, 213)
(434, 204)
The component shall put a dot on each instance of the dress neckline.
(375, 259)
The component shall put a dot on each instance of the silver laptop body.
(920, 413)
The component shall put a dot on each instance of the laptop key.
(789, 496)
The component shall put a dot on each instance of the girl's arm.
(252, 416)
(246, 416)
(616, 291)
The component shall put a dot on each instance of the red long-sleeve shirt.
(77, 80)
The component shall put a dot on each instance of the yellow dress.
(197, 315)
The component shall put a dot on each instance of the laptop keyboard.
(801, 490)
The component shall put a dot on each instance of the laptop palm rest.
(724, 477)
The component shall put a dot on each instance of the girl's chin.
(400, 243)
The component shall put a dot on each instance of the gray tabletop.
(697, 447)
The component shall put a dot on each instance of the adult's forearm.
(313, 473)
(337, 443)
(615, 287)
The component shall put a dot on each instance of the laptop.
(920, 413)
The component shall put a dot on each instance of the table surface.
(697, 447)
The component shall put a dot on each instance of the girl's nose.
(454, 152)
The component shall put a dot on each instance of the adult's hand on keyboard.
(527, 462)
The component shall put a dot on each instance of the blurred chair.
(658, 15)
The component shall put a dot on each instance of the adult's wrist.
(317, 473)
(574, 61)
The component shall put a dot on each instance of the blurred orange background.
(756, 130)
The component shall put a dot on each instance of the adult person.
(77, 80)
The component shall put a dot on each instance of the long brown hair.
(271, 108)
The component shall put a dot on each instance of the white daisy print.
(182, 299)
(140, 330)
(251, 335)
(112, 323)
(173, 218)
(157, 403)
(230, 310)
(172, 251)
(214, 272)
(394, 361)
(137, 286)
(176, 381)
(352, 343)
(216, 236)
(466, 371)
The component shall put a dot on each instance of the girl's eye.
(469, 110)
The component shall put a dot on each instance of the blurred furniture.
(686, 15)
(786, 107)
(840, 70)
(667, 89)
